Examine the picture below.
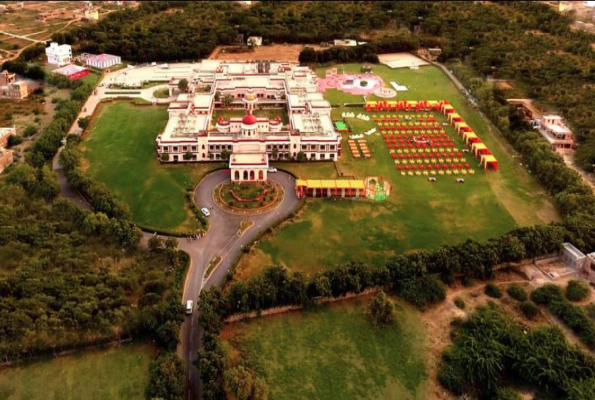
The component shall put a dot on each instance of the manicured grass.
(91, 79)
(336, 97)
(120, 150)
(333, 352)
(121, 373)
(161, 93)
(418, 214)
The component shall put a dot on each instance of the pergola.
(470, 137)
(488, 160)
(330, 188)
(479, 149)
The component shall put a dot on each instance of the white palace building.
(193, 135)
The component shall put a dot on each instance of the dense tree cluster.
(491, 348)
(166, 377)
(572, 315)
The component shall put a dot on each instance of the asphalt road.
(222, 240)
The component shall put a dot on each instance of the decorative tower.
(250, 99)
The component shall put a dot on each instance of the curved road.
(222, 240)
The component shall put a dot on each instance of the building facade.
(59, 55)
(199, 130)
(557, 134)
(16, 91)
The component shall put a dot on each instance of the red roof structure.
(249, 119)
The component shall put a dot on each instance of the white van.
(189, 306)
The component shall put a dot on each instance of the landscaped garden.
(115, 373)
(418, 214)
(334, 352)
(120, 151)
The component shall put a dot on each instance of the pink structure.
(350, 83)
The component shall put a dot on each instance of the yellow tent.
(452, 117)
(460, 126)
(477, 147)
(488, 159)
(470, 137)
(447, 108)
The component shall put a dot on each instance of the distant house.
(73, 72)
(17, 90)
(345, 42)
(6, 78)
(91, 14)
(103, 61)
(558, 135)
(59, 54)
(572, 256)
(254, 41)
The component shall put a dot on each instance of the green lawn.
(418, 215)
(91, 79)
(161, 93)
(120, 150)
(121, 373)
(336, 97)
(333, 352)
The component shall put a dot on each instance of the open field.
(418, 214)
(333, 352)
(278, 52)
(117, 373)
(120, 150)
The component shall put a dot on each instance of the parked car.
(205, 211)
(189, 307)
(272, 169)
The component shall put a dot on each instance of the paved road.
(222, 240)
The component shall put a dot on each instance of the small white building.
(572, 256)
(254, 41)
(345, 42)
(590, 266)
(59, 54)
(103, 61)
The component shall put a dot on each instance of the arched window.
(237, 176)
(260, 175)
(251, 175)
(245, 175)
(203, 147)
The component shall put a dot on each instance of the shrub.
(517, 292)
(577, 290)
(493, 291)
(529, 309)
(590, 310)
(507, 393)
(468, 281)
(460, 303)
(166, 377)
(14, 140)
(30, 130)
(547, 293)
(381, 309)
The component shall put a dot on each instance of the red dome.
(249, 119)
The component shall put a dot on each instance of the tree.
(164, 157)
(30, 130)
(225, 155)
(83, 122)
(188, 156)
(301, 156)
(166, 377)
(381, 309)
(183, 85)
(577, 290)
(275, 152)
(167, 335)
(156, 244)
(14, 140)
(227, 100)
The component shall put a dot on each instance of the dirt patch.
(278, 52)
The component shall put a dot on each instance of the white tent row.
(358, 136)
(371, 131)
(348, 115)
(363, 117)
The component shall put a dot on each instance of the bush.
(507, 393)
(546, 294)
(517, 292)
(590, 309)
(30, 130)
(577, 290)
(468, 281)
(166, 377)
(460, 303)
(529, 309)
(381, 309)
(493, 291)
(14, 140)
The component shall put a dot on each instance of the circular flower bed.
(248, 196)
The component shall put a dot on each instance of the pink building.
(557, 134)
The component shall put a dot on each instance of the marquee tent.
(488, 160)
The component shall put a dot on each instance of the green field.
(418, 215)
(332, 352)
(121, 373)
(120, 150)
(336, 97)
